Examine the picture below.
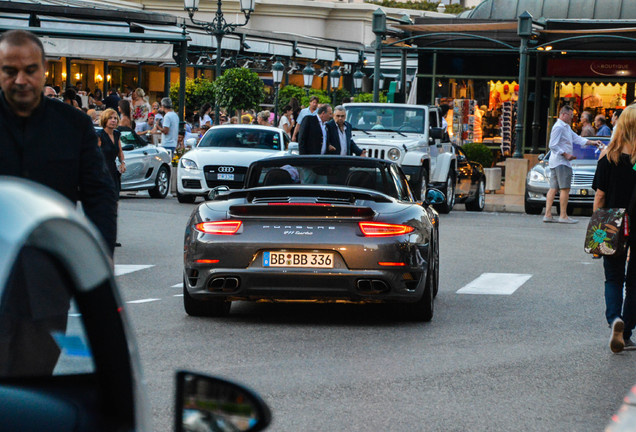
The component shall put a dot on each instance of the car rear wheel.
(162, 184)
(479, 202)
(204, 308)
(530, 208)
(449, 192)
(186, 199)
(422, 310)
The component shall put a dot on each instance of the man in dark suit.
(312, 137)
(47, 141)
(339, 135)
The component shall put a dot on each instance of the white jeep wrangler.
(410, 135)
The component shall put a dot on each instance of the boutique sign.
(591, 68)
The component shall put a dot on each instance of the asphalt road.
(535, 359)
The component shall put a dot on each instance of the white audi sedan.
(222, 156)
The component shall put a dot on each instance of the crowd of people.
(157, 123)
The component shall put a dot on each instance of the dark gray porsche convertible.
(325, 228)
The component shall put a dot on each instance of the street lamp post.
(277, 74)
(524, 30)
(219, 28)
(308, 77)
(378, 26)
(334, 80)
(358, 77)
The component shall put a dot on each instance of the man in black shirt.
(47, 141)
(112, 100)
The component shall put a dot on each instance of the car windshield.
(400, 119)
(378, 177)
(249, 138)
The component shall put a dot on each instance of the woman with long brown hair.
(614, 182)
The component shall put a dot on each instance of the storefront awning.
(111, 50)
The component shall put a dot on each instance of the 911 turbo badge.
(300, 230)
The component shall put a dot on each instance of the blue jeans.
(615, 278)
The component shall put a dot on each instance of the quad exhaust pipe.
(372, 286)
(223, 284)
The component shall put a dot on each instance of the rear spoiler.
(301, 210)
(312, 194)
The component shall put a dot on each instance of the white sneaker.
(616, 343)
(568, 220)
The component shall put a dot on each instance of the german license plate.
(298, 259)
(222, 176)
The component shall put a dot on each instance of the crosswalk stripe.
(495, 284)
(148, 300)
(122, 269)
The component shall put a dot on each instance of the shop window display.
(481, 111)
(594, 97)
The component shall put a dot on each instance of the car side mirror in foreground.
(191, 142)
(206, 403)
(541, 156)
(434, 196)
(128, 147)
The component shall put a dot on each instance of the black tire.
(422, 310)
(204, 308)
(162, 183)
(479, 201)
(186, 199)
(449, 192)
(530, 208)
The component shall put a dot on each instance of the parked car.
(222, 156)
(320, 228)
(471, 182)
(147, 166)
(411, 136)
(68, 361)
(581, 192)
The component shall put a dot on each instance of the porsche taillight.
(377, 229)
(223, 227)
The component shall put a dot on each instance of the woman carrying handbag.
(615, 183)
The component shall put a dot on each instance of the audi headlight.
(188, 164)
(536, 176)
(394, 154)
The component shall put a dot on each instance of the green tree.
(368, 97)
(197, 92)
(239, 89)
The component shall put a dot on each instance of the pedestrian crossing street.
(485, 284)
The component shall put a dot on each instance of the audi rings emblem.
(226, 169)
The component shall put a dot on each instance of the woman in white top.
(286, 120)
(205, 121)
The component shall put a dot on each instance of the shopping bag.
(607, 232)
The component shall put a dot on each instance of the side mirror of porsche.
(217, 191)
(434, 196)
(128, 147)
(206, 403)
(293, 148)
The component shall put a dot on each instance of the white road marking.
(122, 269)
(148, 300)
(179, 285)
(178, 295)
(495, 283)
